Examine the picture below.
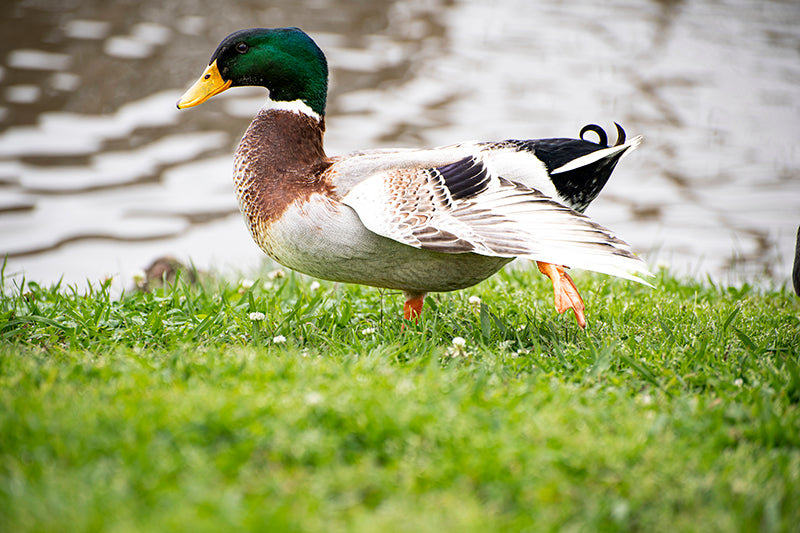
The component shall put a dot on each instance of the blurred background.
(100, 173)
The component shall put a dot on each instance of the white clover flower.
(278, 339)
(275, 274)
(458, 348)
(368, 331)
(314, 286)
(256, 316)
(738, 382)
(475, 301)
(245, 285)
(139, 277)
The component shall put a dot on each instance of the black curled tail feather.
(602, 138)
(620, 135)
(601, 134)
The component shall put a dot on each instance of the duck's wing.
(465, 205)
(572, 171)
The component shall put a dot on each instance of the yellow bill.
(209, 84)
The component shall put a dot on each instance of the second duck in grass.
(419, 221)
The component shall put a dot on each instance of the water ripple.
(99, 173)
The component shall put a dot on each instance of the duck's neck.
(280, 160)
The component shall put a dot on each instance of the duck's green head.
(284, 60)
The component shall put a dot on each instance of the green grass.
(676, 410)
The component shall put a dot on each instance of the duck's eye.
(241, 47)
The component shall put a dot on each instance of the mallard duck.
(419, 221)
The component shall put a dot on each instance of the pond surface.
(100, 174)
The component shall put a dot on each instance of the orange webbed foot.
(412, 308)
(566, 295)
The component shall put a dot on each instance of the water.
(100, 174)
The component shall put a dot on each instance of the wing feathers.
(464, 178)
(464, 207)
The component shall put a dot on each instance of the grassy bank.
(286, 406)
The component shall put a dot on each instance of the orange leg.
(412, 309)
(565, 292)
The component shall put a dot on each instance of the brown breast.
(280, 161)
